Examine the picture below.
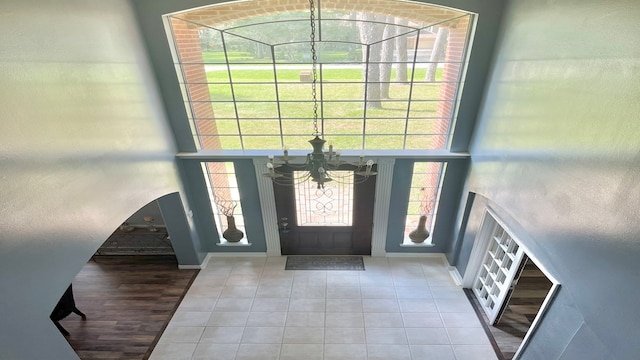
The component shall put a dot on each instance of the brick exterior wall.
(223, 13)
(189, 51)
(450, 77)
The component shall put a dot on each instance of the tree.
(437, 53)
(371, 30)
(401, 49)
(386, 56)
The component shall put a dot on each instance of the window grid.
(250, 90)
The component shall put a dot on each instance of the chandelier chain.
(314, 70)
(319, 166)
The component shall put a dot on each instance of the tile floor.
(397, 309)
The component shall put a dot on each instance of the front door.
(336, 220)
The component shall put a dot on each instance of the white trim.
(417, 245)
(268, 207)
(201, 266)
(480, 246)
(238, 254)
(425, 154)
(384, 181)
(190, 267)
(455, 275)
(408, 255)
(477, 254)
(453, 271)
(228, 243)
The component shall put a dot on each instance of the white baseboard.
(453, 271)
(190, 267)
(237, 254)
(410, 255)
(196, 267)
(455, 275)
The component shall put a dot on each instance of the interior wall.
(83, 145)
(151, 209)
(556, 152)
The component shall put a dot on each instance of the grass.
(218, 57)
(342, 110)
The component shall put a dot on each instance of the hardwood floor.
(527, 298)
(128, 301)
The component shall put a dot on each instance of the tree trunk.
(401, 50)
(437, 53)
(369, 33)
(386, 58)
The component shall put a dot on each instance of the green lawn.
(218, 57)
(342, 91)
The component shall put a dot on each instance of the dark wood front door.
(303, 237)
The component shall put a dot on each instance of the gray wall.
(151, 209)
(557, 152)
(83, 145)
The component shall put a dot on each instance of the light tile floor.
(251, 308)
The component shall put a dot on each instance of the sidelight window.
(224, 196)
(424, 195)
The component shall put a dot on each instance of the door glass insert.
(331, 206)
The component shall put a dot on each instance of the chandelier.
(319, 165)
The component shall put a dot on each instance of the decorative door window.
(331, 206)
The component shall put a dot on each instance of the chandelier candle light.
(318, 164)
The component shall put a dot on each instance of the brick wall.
(189, 51)
(451, 74)
(220, 14)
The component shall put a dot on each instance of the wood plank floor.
(128, 301)
(527, 298)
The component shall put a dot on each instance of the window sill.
(226, 243)
(410, 244)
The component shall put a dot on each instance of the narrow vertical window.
(423, 198)
(225, 197)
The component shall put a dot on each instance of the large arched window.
(389, 73)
